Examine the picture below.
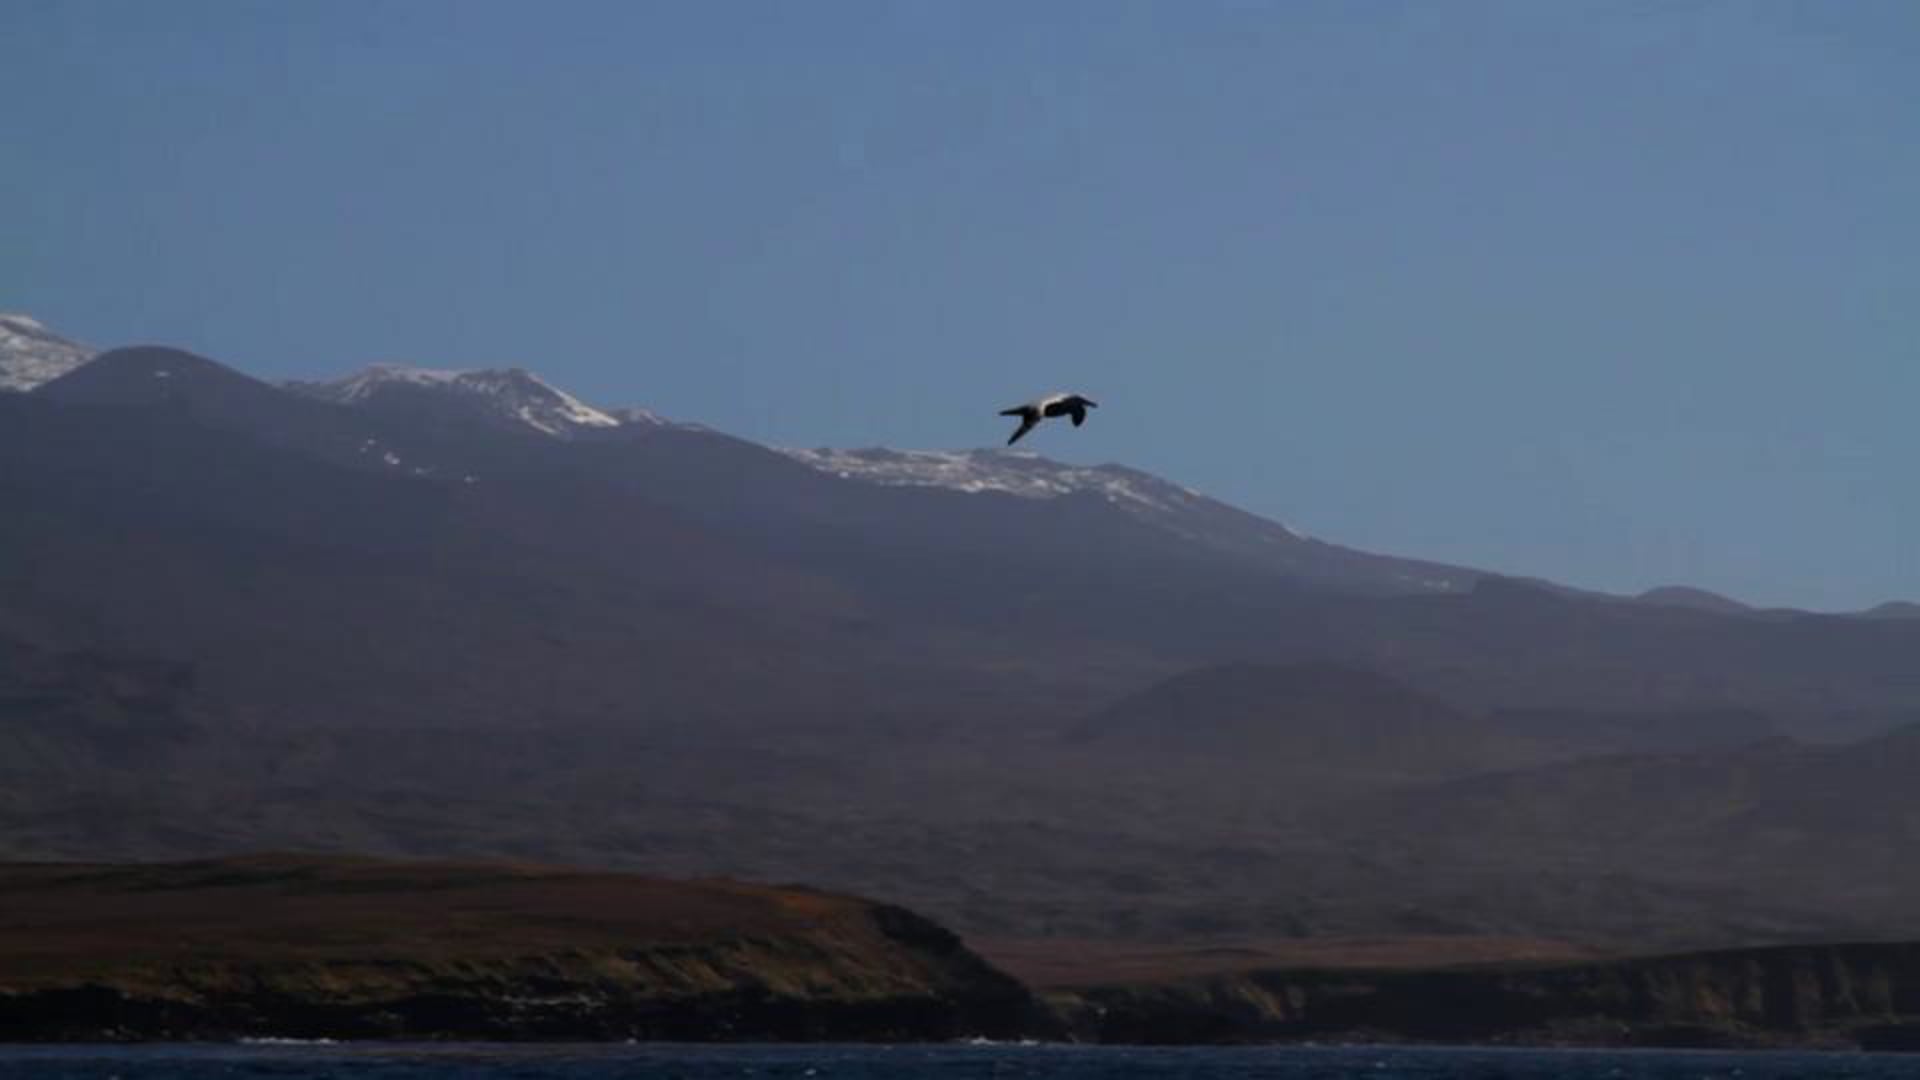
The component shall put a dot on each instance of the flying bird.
(1047, 408)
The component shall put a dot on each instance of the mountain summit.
(31, 354)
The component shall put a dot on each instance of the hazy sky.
(1618, 294)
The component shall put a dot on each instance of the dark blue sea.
(956, 1062)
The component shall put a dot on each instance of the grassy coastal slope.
(362, 948)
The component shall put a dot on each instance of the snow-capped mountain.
(31, 354)
(512, 395)
(407, 415)
(1157, 502)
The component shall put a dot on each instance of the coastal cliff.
(353, 948)
(321, 947)
(1853, 995)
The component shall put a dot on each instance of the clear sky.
(1618, 294)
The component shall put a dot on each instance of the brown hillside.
(354, 947)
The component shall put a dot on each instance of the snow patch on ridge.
(367, 382)
(1023, 475)
(31, 354)
(512, 394)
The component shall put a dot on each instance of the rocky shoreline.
(1853, 996)
(360, 949)
(336, 948)
(107, 1014)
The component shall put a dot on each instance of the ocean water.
(953, 1062)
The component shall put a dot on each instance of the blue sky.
(1618, 294)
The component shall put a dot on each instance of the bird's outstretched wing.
(1027, 423)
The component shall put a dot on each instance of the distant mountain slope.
(89, 718)
(1296, 736)
(1517, 644)
(1683, 596)
(31, 354)
(1157, 503)
(1027, 598)
(1817, 827)
(1893, 609)
(313, 582)
(1322, 727)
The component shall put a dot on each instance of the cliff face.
(1840, 995)
(329, 947)
(350, 948)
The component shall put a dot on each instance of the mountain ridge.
(517, 397)
(31, 354)
(510, 395)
